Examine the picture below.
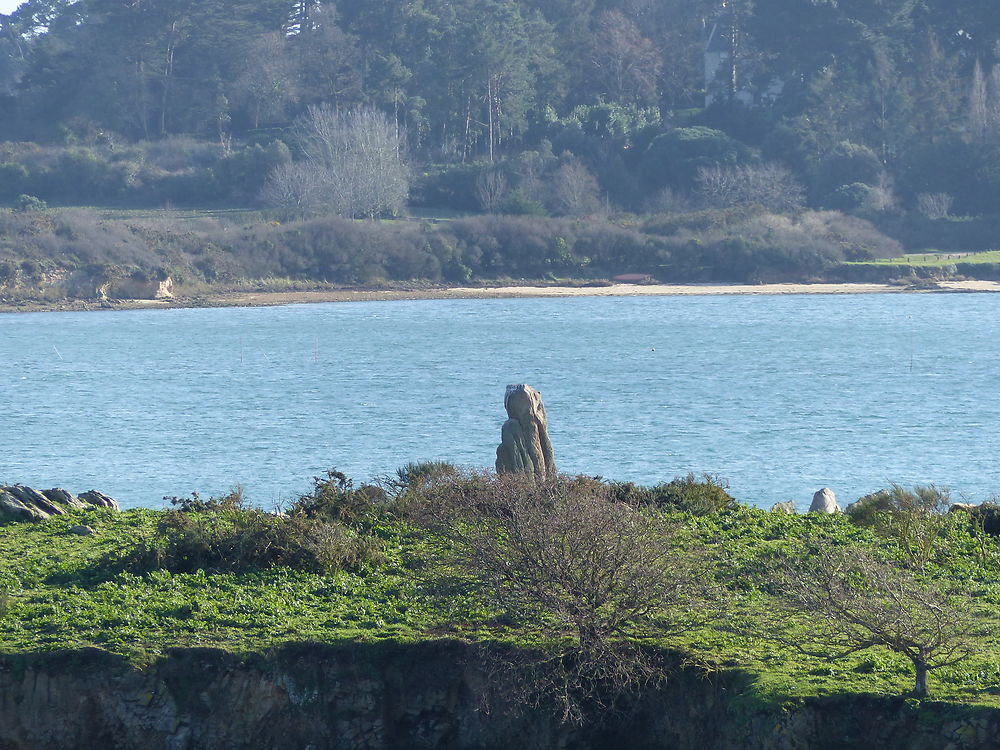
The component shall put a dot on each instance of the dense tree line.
(867, 105)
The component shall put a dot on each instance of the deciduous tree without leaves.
(593, 572)
(352, 165)
(846, 600)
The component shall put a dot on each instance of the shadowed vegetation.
(580, 582)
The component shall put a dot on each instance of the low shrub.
(227, 534)
(699, 495)
(26, 203)
(416, 475)
(915, 519)
(334, 499)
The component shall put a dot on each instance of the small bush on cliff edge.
(227, 534)
(915, 519)
(701, 496)
(29, 203)
(335, 499)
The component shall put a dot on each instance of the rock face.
(387, 696)
(824, 501)
(524, 438)
(786, 507)
(130, 288)
(20, 503)
(99, 499)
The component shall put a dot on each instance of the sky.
(6, 6)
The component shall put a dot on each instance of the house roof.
(632, 277)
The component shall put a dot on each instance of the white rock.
(824, 501)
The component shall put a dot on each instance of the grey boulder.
(20, 503)
(824, 501)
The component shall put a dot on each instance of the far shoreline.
(277, 298)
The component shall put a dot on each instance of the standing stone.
(824, 501)
(524, 438)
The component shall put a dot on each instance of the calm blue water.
(781, 395)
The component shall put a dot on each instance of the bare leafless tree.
(491, 188)
(881, 196)
(984, 102)
(574, 190)
(769, 185)
(559, 555)
(935, 205)
(626, 64)
(669, 200)
(353, 164)
(298, 188)
(845, 600)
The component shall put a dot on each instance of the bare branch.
(846, 600)
(596, 574)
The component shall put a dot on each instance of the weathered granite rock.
(82, 531)
(60, 496)
(956, 507)
(985, 515)
(824, 501)
(20, 503)
(99, 499)
(13, 509)
(786, 507)
(524, 438)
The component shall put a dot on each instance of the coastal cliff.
(430, 695)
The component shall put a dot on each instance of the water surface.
(780, 394)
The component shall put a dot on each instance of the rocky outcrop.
(20, 503)
(435, 695)
(524, 438)
(132, 288)
(93, 497)
(824, 501)
(986, 516)
(786, 507)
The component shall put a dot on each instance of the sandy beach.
(267, 298)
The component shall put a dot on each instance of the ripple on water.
(781, 395)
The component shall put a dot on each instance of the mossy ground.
(59, 590)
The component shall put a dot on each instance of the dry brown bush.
(593, 575)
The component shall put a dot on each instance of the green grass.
(934, 259)
(59, 590)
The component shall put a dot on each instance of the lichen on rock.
(524, 438)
